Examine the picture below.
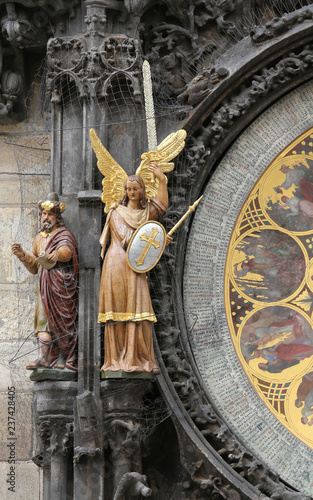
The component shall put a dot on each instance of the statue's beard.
(47, 226)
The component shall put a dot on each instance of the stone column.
(123, 411)
(53, 434)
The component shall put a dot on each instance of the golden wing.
(166, 151)
(114, 175)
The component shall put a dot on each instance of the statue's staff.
(190, 209)
(142, 258)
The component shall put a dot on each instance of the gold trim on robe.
(113, 316)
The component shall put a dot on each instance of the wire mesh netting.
(50, 340)
(115, 109)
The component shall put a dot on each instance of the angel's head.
(134, 186)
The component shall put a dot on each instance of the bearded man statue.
(56, 313)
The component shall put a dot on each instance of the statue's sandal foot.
(60, 364)
(38, 363)
(71, 367)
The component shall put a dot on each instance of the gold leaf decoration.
(304, 300)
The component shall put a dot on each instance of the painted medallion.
(269, 287)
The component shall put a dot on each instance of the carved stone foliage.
(93, 69)
(134, 484)
(201, 86)
(123, 411)
(124, 440)
(54, 436)
(280, 25)
(212, 487)
(196, 13)
(267, 80)
(179, 39)
(184, 40)
(53, 420)
(25, 24)
(18, 29)
(96, 21)
(31, 25)
(11, 89)
(67, 54)
(51, 8)
(100, 13)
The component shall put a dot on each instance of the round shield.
(146, 246)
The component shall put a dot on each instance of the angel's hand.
(169, 239)
(153, 167)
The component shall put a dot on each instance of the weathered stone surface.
(122, 375)
(17, 307)
(13, 372)
(27, 481)
(19, 227)
(8, 161)
(47, 374)
(10, 192)
(20, 421)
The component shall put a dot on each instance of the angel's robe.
(124, 302)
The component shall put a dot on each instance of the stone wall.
(18, 223)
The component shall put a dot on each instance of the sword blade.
(149, 107)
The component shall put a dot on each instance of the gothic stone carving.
(56, 434)
(262, 83)
(93, 70)
(134, 484)
(25, 24)
(201, 86)
(123, 410)
(18, 29)
(280, 25)
(53, 420)
(180, 39)
(88, 441)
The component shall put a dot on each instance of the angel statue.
(124, 304)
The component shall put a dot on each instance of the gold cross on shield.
(150, 241)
